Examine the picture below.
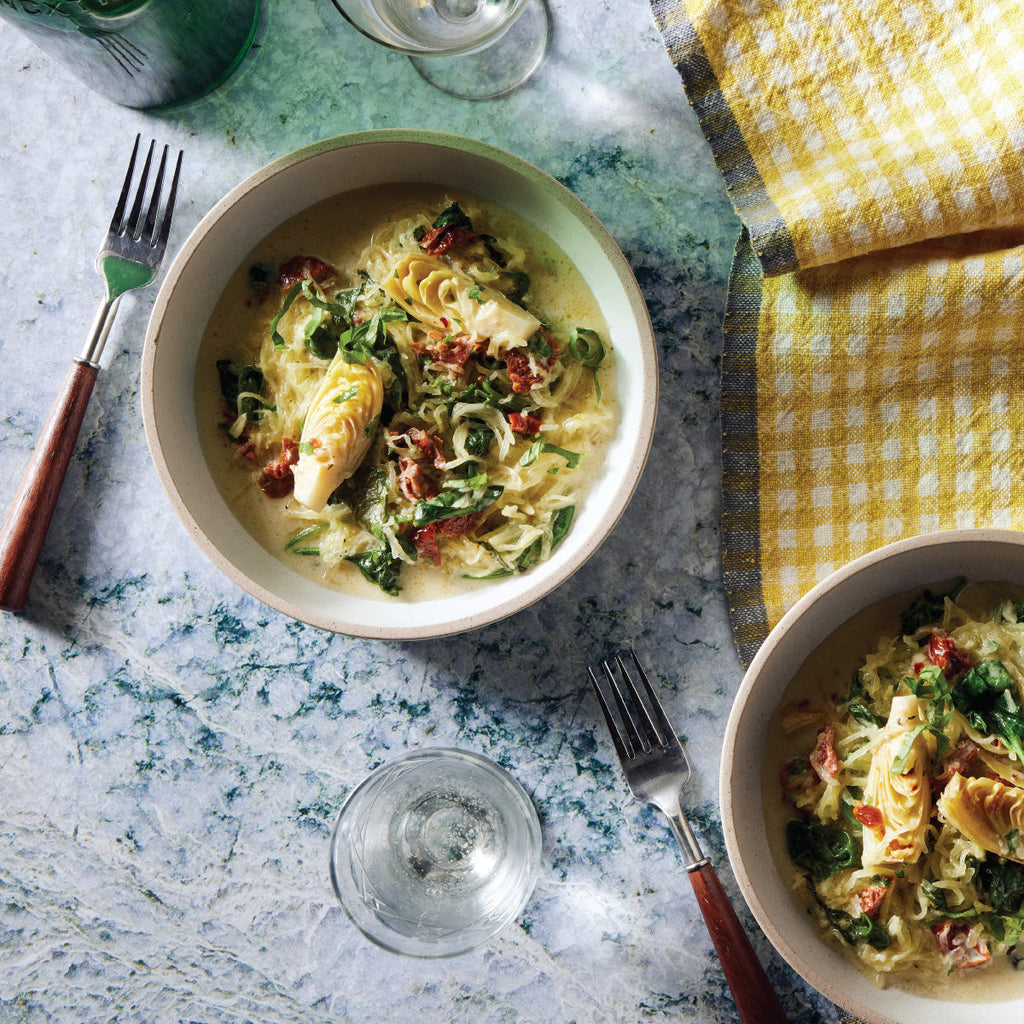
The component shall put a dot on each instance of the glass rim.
(428, 51)
(424, 949)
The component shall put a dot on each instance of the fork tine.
(132, 227)
(651, 729)
(122, 200)
(165, 228)
(622, 745)
(149, 228)
(664, 726)
(637, 737)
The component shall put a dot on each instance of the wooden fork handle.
(28, 519)
(755, 1000)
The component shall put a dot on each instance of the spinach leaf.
(233, 383)
(478, 441)
(936, 898)
(481, 392)
(863, 714)
(379, 567)
(259, 278)
(1002, 881)
(451, 503)
(857, 703)
(366, 493)
(927, 609)
(370, 338)
(320, 340)
(1008, 930)
(987, 697)
(820, 849)
(560, 523)
(520, 285)
(453, 216)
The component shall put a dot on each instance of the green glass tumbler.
(141, 53)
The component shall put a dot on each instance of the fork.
(129, 259)
(656, 769)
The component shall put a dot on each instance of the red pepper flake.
(869, 816)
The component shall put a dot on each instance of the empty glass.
(435, 852)
(473, 49)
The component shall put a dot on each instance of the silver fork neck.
(98, 334)
(692, 854)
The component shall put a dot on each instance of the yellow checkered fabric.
(875, 326)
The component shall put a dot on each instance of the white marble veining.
(173, 754)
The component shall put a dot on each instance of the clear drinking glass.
(435, 852)
(141, 53)
(473, 49)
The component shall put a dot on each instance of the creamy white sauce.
(337, 231)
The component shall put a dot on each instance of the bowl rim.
(628, 473)
(776, 638)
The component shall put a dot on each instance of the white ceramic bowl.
(284, 188)
(978, 555)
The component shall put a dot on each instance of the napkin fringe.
(741, 507)
(769, 236)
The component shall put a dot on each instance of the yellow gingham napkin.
(874, 332)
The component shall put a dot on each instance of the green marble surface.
(173, 754)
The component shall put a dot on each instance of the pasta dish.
(908, 837)
(420, 408)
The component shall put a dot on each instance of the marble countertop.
(173, 754)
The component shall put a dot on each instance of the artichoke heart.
(988, 812)
(902, 796)
(437, 294)
(339, 424)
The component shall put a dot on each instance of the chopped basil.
(344, 396)
(296, 545)
(370, 339)
(532, 453)
(586, 346)
(275, 334)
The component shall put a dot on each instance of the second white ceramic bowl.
(977, 555)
